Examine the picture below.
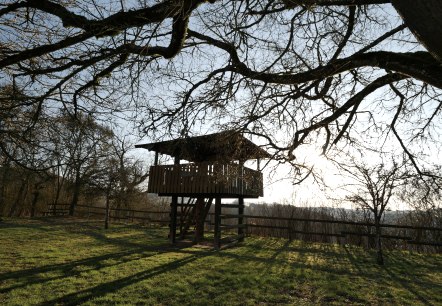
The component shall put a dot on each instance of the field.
(68, 261)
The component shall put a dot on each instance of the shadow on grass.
(109, 287)
(339, 261)
(35, 226)
(31, 276)
(95, 230)
(395, 267)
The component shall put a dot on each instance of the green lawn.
(62, 261)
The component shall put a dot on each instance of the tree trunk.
(36, 194)
(379, 255)
(75, 195)
(20, 197)
(423, 18)
(3, 183)
(107, 213)
(60, 182)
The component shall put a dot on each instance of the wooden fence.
(116, 214)
(402, 236)
(345, 231)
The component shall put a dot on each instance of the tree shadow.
(36, 226)
(275, 258)
(113, 286)
(31, 276)
(399, 264)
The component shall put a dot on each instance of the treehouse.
(214, 169)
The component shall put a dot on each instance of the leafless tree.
(131, 171)
(118, 176)
(372, 188)
(87, 146)
(291, 72)
(22, 151)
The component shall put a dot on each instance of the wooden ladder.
(196, 208)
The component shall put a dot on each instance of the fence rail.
(292, 228)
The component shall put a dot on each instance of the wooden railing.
(227, 180)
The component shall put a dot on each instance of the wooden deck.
(206, 179)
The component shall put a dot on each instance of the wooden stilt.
(199, 220)
(217, 235)
(173, 215)
(240, 219)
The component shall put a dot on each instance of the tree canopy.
(290, 71)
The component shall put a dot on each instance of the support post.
(173, 214)
(173, 210)
(199, 220)
(241, 218)
(156, 159)
(217, 235)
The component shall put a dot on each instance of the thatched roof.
(223, 146)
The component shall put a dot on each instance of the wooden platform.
(226, 180)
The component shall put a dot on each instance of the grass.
(61, 261)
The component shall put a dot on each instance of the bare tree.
(117, 177)
(372, 189)
(24, 153)
(131, 171)
(323, 71)
(87, 145)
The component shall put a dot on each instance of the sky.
(278, 183)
